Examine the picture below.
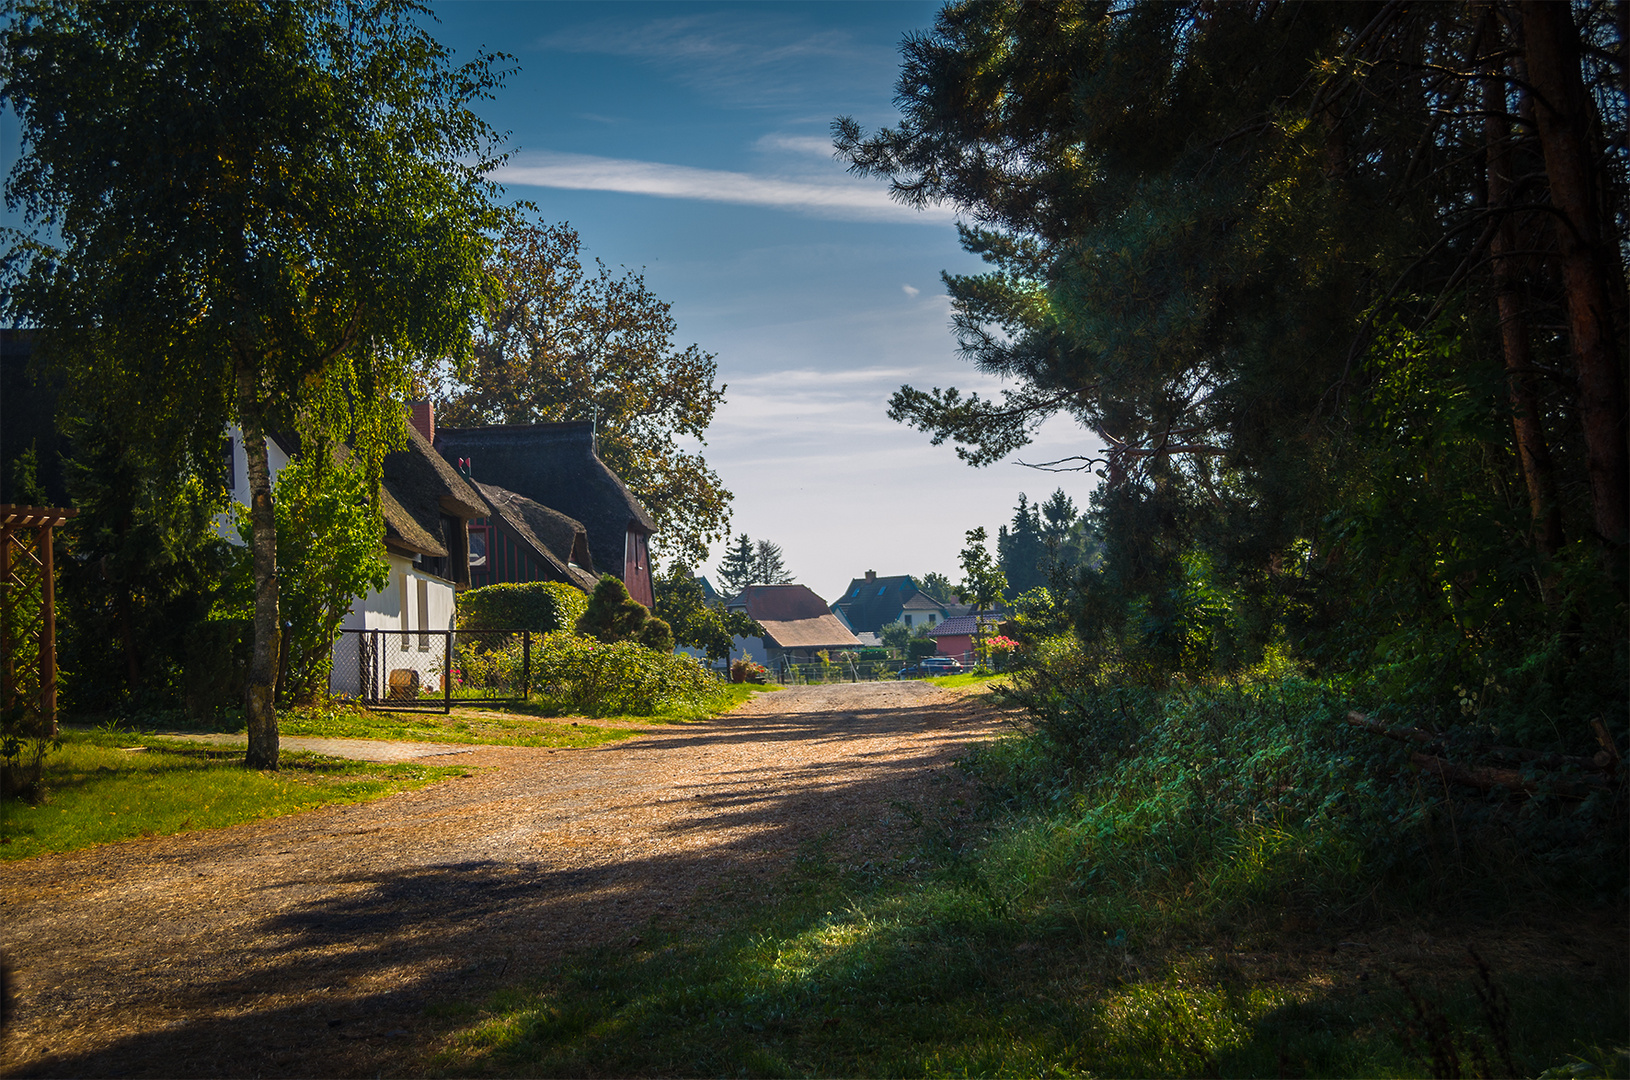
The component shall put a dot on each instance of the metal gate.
(432, 670)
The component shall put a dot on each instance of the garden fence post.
(526, 665)
(447, 673)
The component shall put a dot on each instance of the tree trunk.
(259, 695)
(1563, 115)
(1526, 418)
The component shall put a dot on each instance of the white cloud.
(843, 199)
(909, 290)
(819, 146)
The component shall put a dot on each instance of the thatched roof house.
(527, 541)
(556, 466)
(427, 505)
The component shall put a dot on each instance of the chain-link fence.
(420, 670)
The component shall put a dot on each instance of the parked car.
(931, 665)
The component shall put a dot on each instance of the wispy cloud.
(850, 200)
(817, 146)
(910, 290)
(746, 57)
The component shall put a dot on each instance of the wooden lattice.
(28, 624)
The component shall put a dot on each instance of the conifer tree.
(740, 561)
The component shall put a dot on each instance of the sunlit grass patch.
(487, 725)
(965, 678)
(99, 791)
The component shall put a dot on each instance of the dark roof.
(419, 487)
(962, 624)
(558, 540)
(709, 593)
(555, 464)
(793, 617)
(870, 604)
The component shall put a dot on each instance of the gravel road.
(312, 944)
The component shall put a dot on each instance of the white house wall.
(396, 608)
(276, 459)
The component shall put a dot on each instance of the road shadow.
(337, 981)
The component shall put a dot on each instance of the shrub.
(534, 605)
(917, 648)
(619, 678)
(746, 671)
(613, 615)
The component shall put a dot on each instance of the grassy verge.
(915, 969)
(966, 678)
(98, 792)
(1219, 883)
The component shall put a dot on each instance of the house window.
(478, 549)
(908, 620)
(930, 618)
(883, 590)
(231, 462)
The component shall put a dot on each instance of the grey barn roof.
(555, 464)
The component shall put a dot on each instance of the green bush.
(612, 615)
(917, 648)
(873, 654)
(533, 605)
(619, 678)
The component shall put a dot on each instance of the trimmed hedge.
(534, 605)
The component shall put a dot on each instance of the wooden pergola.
(28, 618)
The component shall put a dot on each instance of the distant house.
(797, 624)
(954, 636)
(871, 603)
(555, 466)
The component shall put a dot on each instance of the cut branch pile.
(1559, 774)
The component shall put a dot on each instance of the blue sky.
(691, 141)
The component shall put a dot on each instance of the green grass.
(100, 793)
(966, 678)
(913, 969)
(485, 725)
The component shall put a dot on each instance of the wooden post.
(48, 636)
(8, 687)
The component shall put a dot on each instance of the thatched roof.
(555, 464)
(419, 487)
(554, 538)
(793, 617)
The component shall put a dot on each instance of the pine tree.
(768, 568)
(736, 571)
(1021, 550)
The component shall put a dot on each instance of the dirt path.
(310, 945)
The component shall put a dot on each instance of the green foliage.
(140, 568)
(937, 586)
(532, 605)
(330, 539)
(694, 621)
(613, 616)
(983, 584)
(25, 478)
(896, 635)
(917, 648)
(563, 345)
(619, 678)
(749, 563)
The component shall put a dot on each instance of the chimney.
(871, 575)
(424, 418)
